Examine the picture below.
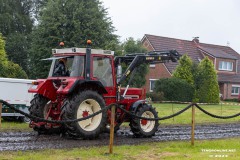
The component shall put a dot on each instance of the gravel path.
(32, 141)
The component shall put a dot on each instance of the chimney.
(196, 40)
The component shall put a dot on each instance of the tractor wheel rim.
(86, 108)
(147, 125)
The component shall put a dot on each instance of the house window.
(235, 90)
(152, 84)
(225, 66)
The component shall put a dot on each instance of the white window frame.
(150, 86)
(225, 66)
(235, 86)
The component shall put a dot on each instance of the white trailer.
(15, 92)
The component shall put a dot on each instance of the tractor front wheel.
(142, 127)
(82, 105)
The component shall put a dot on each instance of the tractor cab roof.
(74, 51)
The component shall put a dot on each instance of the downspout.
(227, 91)
(236, 66)
(215, 63)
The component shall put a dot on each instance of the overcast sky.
(213, 21)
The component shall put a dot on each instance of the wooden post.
(112, 125)
(193, 124)
(0, 115)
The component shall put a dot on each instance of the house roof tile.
(217, 53)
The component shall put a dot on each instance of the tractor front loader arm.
(154, 57)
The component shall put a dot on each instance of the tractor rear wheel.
(142, 127)
(82, 105)
(38, 108)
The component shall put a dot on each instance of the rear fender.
(45, 87)
(136, 105)
(83, 85)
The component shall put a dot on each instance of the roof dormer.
(223, 61)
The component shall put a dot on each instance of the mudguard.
(93, 84)
(45, 87)
(136, 105)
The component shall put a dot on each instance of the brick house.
(224, 58)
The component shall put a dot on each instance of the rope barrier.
(180, 102)
(162, 118)
(216, 116)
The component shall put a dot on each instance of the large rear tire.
(144, 128)
(82, 105)
(38, 108)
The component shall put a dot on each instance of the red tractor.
(82, 81)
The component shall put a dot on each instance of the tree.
(206, 84)
(184, 69)
(7, 68)
(132, 46)
(17, 46)
(70, 21)
(3, 58)
(16, 24)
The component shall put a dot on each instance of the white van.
(15, 92)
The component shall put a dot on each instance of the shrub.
(155, 96)
(175, 89)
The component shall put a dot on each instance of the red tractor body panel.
(45, 87)
(132, 95)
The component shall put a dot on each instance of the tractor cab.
(76, 62)
(77, 68)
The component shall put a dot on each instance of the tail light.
(35, 82)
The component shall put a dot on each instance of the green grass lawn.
(175, 150)
(13, 126)
(165, 109)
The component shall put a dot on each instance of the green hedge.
(175, 89)
(155, 96)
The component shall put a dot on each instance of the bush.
(175, 89)
(155, 96)
(232, 100)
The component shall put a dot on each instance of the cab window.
(102, 70)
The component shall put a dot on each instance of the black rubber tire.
(135, 123)
(37, 109)
(69, 112)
